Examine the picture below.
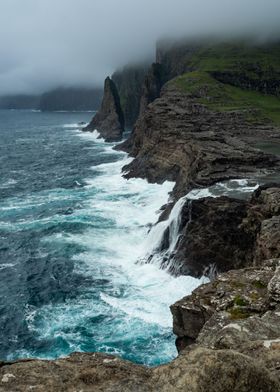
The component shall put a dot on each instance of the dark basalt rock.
(220, 234)
(129, 82)
(152, 85)
(109, 120)
(213, 238)
(181, 140)
(264, 85)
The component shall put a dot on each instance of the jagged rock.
(268, 242)
(198, 370)
(220, 234)
(79, 372)
(212, 237)
(233, 323)
(239, 311)
(181, 140)
(274, 287)
(153, 82)
(129, 82)
(202, 370)
(109, 120)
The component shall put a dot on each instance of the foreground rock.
(238, 311)
(109, 120)
(199, 370)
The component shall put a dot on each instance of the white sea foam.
(75, 125)
(122, 212)
(132, 301)
(6, 265)
(9, 183)
(157, 233)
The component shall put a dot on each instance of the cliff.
(109, 120)
(199, 128)
(220, 234)
(185, 136)
(129, 82)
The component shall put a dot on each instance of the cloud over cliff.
(46, 43)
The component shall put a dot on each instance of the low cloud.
(50, 43)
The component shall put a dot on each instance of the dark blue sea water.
(71, 233)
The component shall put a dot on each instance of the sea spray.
(165, 235)
(82, 288)
(73, 282)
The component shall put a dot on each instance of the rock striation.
(129, 82)
(180, 139)
(109, 120)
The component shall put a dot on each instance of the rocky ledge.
(109, 120)
(228, 337)
(179, 138)
(239, 311)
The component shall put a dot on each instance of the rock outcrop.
(220, 234)
(152, 85)
(196, 370)
(228, 338)
(129, 82)
(109, 120)
(180, 139)
(240, 311)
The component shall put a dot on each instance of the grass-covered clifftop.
(228, 76)
(221, 96)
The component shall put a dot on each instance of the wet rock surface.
(109, 120)
(220, 234)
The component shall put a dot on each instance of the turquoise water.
(72, 233)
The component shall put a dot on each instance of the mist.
(50, 43)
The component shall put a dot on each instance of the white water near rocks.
(84, 288)
(235, 188)
(128, 312)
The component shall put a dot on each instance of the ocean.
(73, 237)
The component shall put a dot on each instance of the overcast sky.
(48, 43)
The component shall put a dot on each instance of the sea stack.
(109, 120)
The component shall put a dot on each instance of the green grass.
(258, 284)
(238, 313)
(255, 61)
(223, 97)
(239, 301)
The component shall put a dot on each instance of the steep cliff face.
(129, 82)
(180, 138)
(152, 85)
(109, 120)
(220, 234)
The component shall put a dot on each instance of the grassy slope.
(255, 62)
